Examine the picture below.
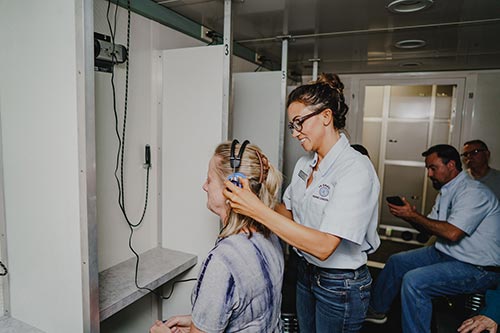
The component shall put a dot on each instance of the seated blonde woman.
(239, 284)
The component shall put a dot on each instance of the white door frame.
(458, 110)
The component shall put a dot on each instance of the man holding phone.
(465, 258)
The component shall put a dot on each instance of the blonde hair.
(264, 179)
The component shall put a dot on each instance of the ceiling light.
(410, 64)
(410, 44)
(408, 6)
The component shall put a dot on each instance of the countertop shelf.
(156, 267)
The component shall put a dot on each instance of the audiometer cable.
(5, 271)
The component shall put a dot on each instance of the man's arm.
(441, 229)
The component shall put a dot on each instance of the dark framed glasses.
(472, 152)
(296, 124)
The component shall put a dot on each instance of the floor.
(448, 314)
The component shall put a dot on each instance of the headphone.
(235, 162)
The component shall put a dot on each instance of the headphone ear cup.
(255, 186)
(235, 178)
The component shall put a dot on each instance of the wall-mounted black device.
(105, 55)
(147, 156)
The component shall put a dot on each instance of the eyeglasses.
(296, 124)
(472, 152)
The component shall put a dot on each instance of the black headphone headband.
(234, 160)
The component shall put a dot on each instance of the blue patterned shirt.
(239, 286)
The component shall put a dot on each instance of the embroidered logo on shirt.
(324, 191)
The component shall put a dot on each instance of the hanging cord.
(5, 271)
(120, 156)
(121, 139)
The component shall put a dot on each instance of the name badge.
(303, 175)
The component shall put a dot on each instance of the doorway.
(401, 119)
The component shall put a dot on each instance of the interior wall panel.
(485, 116)
(257, 114)
(113, 231)
(192, 128)
(40, 114)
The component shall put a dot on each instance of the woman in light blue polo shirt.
(329, 211)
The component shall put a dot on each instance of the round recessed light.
(410, 64)
(408, 6)
(410, 44)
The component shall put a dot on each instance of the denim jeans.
(421, 275)
(331, 300)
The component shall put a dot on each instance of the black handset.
(395, 200)
(147, 156)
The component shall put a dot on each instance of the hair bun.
(332, 80)
(327, 92)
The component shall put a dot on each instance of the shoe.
(375, 317)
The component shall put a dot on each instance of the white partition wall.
(191, 121)
(483, 117)
(257, 113)
(4, 280)
(43, 96)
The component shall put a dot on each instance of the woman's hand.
(179, 324)
(478, 324)
(159, 327)
(242, 200)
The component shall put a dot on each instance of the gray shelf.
(156, 267)
(11, 325)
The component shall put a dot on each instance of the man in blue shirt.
(465, 258)
(476, 159)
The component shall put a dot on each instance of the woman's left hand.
(243, 200)
(159, 327)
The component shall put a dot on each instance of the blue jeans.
(421, 275)
(331, 300)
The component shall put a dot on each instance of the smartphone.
(395, 200)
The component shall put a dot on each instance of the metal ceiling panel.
(358, 36)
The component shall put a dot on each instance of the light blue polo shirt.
(341, 200)
(473, 208)
(492, 180)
